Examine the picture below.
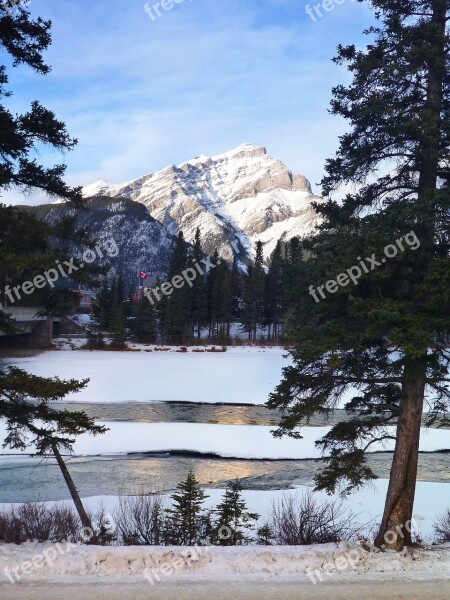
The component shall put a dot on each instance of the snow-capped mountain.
(143, 243)
(241, 196)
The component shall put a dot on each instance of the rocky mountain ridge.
(235, 199)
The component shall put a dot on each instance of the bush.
(140, 520)
(265, 536)
(304, 521)
(36, 521)
(442, 528)
(11, 531)
(103, 530)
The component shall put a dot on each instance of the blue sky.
(206, 76)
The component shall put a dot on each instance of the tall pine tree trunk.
(85, 520)
(398, 510)
(395, 530)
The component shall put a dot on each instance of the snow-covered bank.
(160, 564)
(165, 376)
(239, 441)
(367, 504)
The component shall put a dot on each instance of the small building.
(85, 301)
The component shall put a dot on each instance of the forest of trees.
(260, 299)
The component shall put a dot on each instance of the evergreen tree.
(265, 535)
(254, 290)
(198, 291)
(26, 247)
(95, 333)
(275, 293)
(185, 520)
(144, 326)
(177, 318)
(226, 309)
(100, 318)
(387, 335)
(294, 265)
(219, 299)
(25, 40)
(118, 329)
(233, 520)
(111, 313)
(214, 301)
(247, 313)
(236, 290)
(294, 250)
(25, 404)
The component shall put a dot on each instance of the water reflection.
(32, 479)
(192, 412)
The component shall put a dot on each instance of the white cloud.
(201, 79)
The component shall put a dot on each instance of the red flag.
(143, 275)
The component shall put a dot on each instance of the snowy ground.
(149, 375)
(367, 504)
(310, 566)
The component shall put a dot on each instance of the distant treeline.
(261, 299)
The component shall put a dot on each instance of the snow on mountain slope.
(143, 243)
(242, 195)
(99, 188)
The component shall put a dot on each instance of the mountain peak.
(248, 149)
(243, 194)
(96, 189)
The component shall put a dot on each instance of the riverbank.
(366, 504)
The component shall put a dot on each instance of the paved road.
(280, 590)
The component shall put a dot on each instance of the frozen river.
(240, 375)
(204, 410)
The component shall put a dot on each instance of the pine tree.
(26, 40)
(177, 318)
(226, 310)
(233, 520)
(143, 324)
(265, 535)
(294, 265)
(25, 404)
(94, 333)
(386, 336)
(99, 319)
(185, 523)
(236, 290)
(27, 245)
(294, 250)
(118, 329)
(253, 297)
(275, 293)
(214, 300)
(198, 291)
(247, 313)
